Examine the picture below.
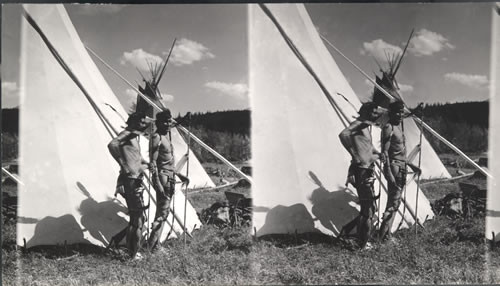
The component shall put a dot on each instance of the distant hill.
(473, 113)
(464, 124)
(233, 121)
(10, 120)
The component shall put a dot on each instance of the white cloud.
(405, 88)
(238, 90)
(378, 49)
(426, 43)
(187, 52)
(10, 93)
(96, 9)
(9, 87)
(131, 98)
(140, 59)
(166, 98)
(470, 80)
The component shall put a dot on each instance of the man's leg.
(367, 203)
(393, 202)
(162, 209)
(136, 208)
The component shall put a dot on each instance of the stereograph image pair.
(299, 96)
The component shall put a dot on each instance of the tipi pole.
(379, 202)
(165, 65)
(12, 176)
(68, 71)
(418, 178)
(404, 187)
(187, 176)
(150, 177)
(212, 151)
(423, 124)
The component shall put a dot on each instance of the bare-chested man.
(163, 171)
(125, 149)
(394, 153)
(357, 139)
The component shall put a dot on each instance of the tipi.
(301, 100)
(68, 115)
(493, 204)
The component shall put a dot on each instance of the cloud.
(140, 59)
(10, 93)
(97, 9)
(187, 52)
(9, 87)
(405, 88)
(378, 49)
(470, 80)
(131, 98)
(426, 43)
(238, 90)
(166, 98)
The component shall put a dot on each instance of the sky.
(447, 60)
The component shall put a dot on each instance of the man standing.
(394, 153)
(161, 154)
(357, 139)
(125, 149)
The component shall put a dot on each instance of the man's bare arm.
(385, 140)
(115, 145)
(346, 138)
(154, 151)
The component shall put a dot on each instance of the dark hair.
(396, 106)
(135, 118)
(366, 109)
(163, 116)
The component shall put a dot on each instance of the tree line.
(464, 124)
(227, 132)
(232, 121)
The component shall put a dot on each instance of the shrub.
(9, 146)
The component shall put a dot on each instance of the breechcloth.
(132, 192)
(167, 180)
(364, 178)
(398, 168)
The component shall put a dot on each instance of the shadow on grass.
(62, 251)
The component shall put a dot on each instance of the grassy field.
(445, 251)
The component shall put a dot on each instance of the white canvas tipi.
(493, 204)
(68, 115)
(301, 101)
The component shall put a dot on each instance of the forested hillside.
(464, 124)
(227, 132)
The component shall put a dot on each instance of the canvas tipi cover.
(493, 204)
(299, 164)
(68, 115)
